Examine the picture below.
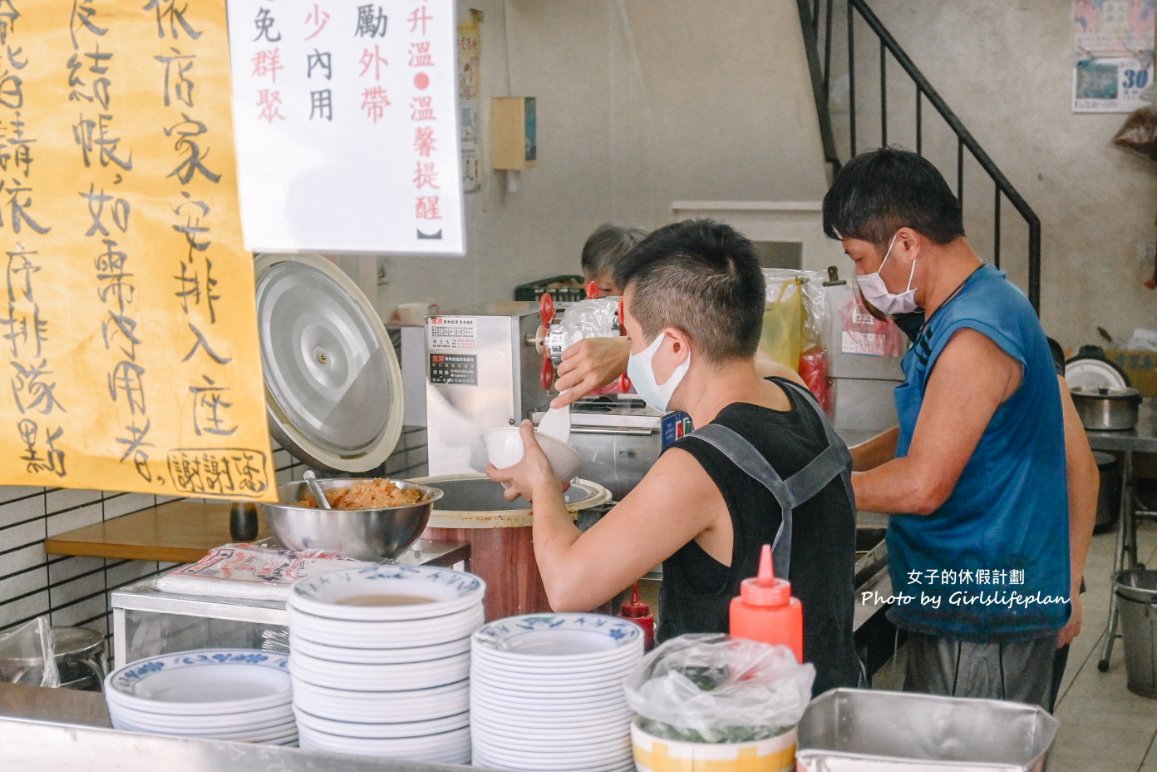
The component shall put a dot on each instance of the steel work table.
(1142, 439)
(248, 618)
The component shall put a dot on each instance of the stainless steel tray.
(856, 729)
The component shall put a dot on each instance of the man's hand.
(1073, 627)
(590, 364)
(532, 472)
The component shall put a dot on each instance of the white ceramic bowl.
(372, 678)
(504, 448)
(404, 634)
(383, 706)
(387, 592)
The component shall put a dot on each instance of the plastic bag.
(865, 334)
(812, 299)
(28, 655)
(712, 688)
(1139, 134)
(592, 318)
(780, 339)
(794, 316)
(598, 318)
(813, 369)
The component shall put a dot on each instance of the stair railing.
(813, 17)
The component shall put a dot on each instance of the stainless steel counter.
(47, 730)
(148, 621)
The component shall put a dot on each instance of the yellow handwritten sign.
(128, 336)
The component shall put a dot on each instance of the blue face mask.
(641, 371)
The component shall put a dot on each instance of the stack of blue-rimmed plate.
(380, 661)
(546, 692)
(224, 694)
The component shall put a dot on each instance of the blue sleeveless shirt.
(992, 563)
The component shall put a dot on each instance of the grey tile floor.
(1104, 726)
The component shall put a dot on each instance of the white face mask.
(641, 371)
(875, 292)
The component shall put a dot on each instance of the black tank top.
(697, 589)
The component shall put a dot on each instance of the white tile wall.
(18, 610)
(74, 518)
(19, 510)
(74, 591)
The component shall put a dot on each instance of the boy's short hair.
(701, 277)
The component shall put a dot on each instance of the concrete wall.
(1005, 68)
(640, 103)
(645, 102)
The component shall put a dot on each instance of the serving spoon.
(315, 488)
(556, 423)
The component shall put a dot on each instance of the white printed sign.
(345, 119)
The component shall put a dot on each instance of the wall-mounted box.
(513, 129)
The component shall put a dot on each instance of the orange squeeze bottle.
(765, 610)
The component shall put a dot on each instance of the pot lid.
(1094, 372)
(1105, 392)
(333, 387)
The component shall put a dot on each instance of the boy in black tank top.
(693, 305)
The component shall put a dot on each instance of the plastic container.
(655, 754)
(1137, 602)
(640, 613)
(765, 610)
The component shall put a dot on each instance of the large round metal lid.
(333, 387)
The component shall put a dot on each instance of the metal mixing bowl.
(364, 534)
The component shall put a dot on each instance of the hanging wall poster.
(1113, 28)
(345, 116)
(128, 324)
(1110, 85)
(469, 86)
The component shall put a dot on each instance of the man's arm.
(1084, 484)
(970, 380)
(875, 451)
(674, 503)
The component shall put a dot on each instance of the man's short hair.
(701, 277)
(605, 247)
(881, 191)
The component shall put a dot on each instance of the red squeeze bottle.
(765, 610)
(639, 613)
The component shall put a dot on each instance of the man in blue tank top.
(978, 544)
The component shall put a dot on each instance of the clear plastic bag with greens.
(712, 688)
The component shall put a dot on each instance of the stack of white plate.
(380, 661)
(241, 695)
(546, 692)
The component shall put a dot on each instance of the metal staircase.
(830, 30)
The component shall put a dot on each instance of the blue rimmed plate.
(202, 682)
(554, 640)
(387, 593)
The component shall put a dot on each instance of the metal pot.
(1104, 409)
(498, 531)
